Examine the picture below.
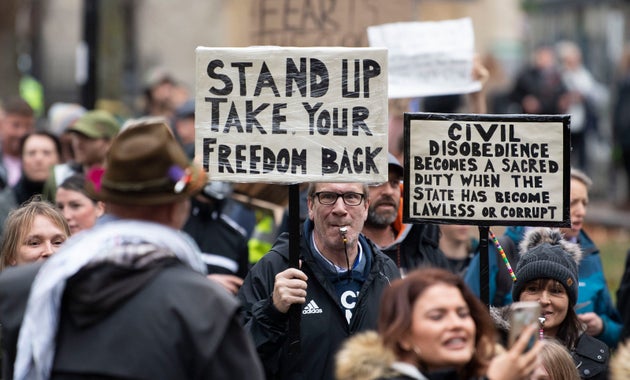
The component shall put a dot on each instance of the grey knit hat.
(545, 254)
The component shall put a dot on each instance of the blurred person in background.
(621, 120)
(32, 232)
(539, 87)
(81, 211)
(61, 116)
(17, 119)
(458, 245)
(40, 151)
(91, 136)
(586, 97)
(184, 126)
(223, 242)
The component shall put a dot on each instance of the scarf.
(104, 243)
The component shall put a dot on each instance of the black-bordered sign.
(487, 169)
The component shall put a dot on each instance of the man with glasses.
(339, 284)
(409, 245)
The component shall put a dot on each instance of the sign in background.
(428, 58)
(291, 115)
(487, 169)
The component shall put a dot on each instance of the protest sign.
(487, 169)
(428, 58)
(291, 115)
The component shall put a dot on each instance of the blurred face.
(186, 130)
(456, 232)
(89, 151)
(38, 156)
(80, 212)
(553, 300)
(43, 239)
(579, 201)
(327, 219)
(540, 373)
(384, 202)
(12, 129)
(442, 329)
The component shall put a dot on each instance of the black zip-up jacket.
(323, 324)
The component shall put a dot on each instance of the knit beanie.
(546, 255)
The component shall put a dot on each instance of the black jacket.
(323, 328)
(222, 241)
(417, 245)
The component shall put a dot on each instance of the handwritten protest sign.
(487, 169)
(428, 58)
(290, 115)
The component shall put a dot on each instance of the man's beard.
(381, 220)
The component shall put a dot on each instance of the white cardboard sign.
(428, 58)
(291, 115)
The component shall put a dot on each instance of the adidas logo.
(312, 308)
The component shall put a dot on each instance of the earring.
(416, 350)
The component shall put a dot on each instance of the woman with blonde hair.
(32, 232)
(554, 363)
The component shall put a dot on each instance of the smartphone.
(523, 314)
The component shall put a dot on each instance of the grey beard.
(380, 220)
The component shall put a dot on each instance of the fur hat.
(363, 357)
(545, 254)
(145, 165)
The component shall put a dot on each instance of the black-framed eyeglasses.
(330, 198)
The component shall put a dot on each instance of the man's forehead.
(340, 187)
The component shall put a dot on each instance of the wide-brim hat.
(145, 165)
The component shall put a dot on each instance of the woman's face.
(43, 239)
(442, 329)
(553, 299)
(80, 212)
(540, 373)
(579, 201)
(39, 154)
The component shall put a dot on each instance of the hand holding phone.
(523, 314)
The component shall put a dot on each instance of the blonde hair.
(20, 221)
(557, 361)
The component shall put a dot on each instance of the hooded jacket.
(323, 320)
(162, 322)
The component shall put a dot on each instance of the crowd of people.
(118, 260)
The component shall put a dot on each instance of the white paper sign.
(487, 169)
(291, 115)
(428, 58)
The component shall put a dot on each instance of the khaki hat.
(97, 124)
(145, 165)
